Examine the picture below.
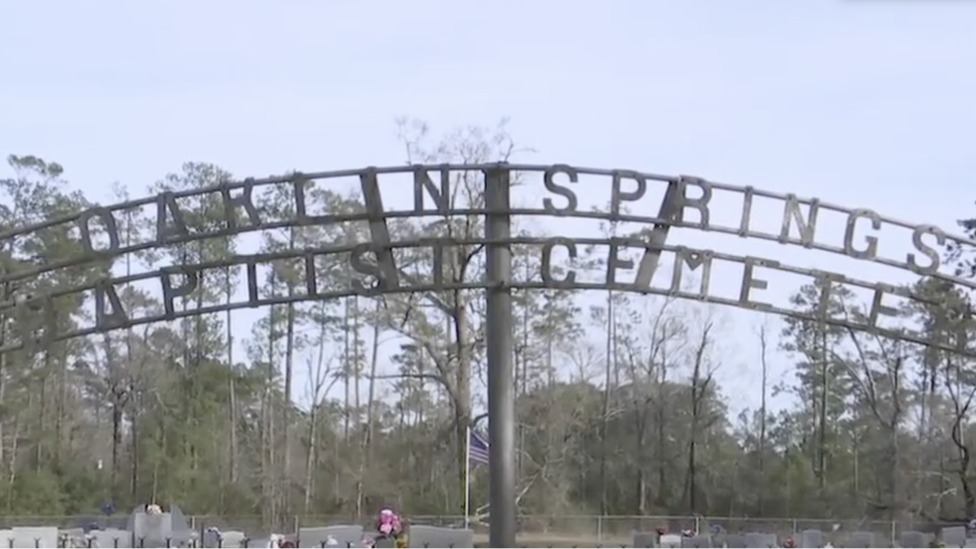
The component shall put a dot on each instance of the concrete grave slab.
(422, 535)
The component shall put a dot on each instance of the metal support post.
(500, 353)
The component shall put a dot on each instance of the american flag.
(477, 448)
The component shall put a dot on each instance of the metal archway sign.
(98, 231)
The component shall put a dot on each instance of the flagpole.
(467, 471)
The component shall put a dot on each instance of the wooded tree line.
(619, 406)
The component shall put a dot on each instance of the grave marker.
(645, 540)
(913, 538)
(760, 539)
(954, 536)
(696, 541)
(811, 538)
(422, 536)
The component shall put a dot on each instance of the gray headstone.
(759, 539)
(384, 543)
(954, 536)
(210, 539)
(696, 541)
(153, 530)
(645, 539)
(913, 538)
(733, 540)
(422, 535)
(347, 535)
(811, 538)
(177, 517)
(860, 540)
(970, 542)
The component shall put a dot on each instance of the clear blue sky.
(861, 102)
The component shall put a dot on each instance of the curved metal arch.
(179, 281)
(172, 229)
(99, 224)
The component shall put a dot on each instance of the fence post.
(599, 528)
(794, 527)
(894, 531)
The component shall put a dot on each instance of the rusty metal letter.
(750, 282)
(546, 271)
(370, 269)
(699, 203)
(925, 249)
(438, 247)
(253, 297)
(166, 204)
(380, 233)
(244, 200)
(878, 307)
(311, 272)
(824, 283)
(422, 182)
(656, 237)
(104, 215)
(109, 312)
(744, 221)
(614, 262)
(872, 241)
(792, 214)
(299, 184)
(171, 293)
(549, 180)
(693, 259)
(618, 196)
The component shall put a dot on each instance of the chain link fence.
(586, 528)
